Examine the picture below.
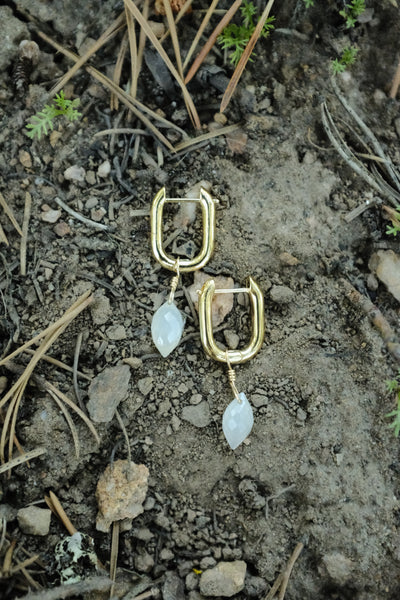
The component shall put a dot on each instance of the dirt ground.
(321, 466)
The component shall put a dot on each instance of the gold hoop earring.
(168, 323)
(237, 421)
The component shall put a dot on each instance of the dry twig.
(283, 579)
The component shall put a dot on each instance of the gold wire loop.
(206, 331)
(232, 377)
(207, 204)
(174, 282)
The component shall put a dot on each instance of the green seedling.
(309, 3)
(43, 121)
(236, 37)
(347, 58)
(393, 386)
(394, 228)
(352, 11)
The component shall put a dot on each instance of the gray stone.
(258, 400)
(14, 31)
(100, 309)
(198, 414)
(255, 586)
(106, 391)
(144, 562)
(145, 385)
(173, 588)
(281, 294)
(338, 566)
(116, 333)
(226, 579)
(34, 520)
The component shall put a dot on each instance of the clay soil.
(321, 466)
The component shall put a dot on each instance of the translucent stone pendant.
(237, 421)
(167, 328)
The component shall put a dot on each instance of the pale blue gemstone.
(167, 328)
(237, 421)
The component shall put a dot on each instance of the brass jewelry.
(168, 322)
(238, 419)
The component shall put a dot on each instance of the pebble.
(145, 385)
(25, 159)
(222, 303)
(173, 588)
(255, 586)
(226, 579)
(62, 228)
(281, 294)
(104, 169)
(100, 309)
(196, 399)
(120, 493)
(301, 415)
(34, 520)
(116, 332)
(198, 415)
(14, 30)
(106, 391)
(338, 566)
(386, 266)
(50, 216)
(144, 562)
(232, 339)
(74, 173)
(133, 362)
(258, 400)
(288, 259)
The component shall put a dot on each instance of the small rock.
(288, 259)
(34, 520)
(74, 173)
(100, 309)
(50, 216)
(220, 118)
(222, 304)
(25, 159)
(133, 362)
(301, 415)
(386, 265)
(255, 586)
(258, 400)
(104, 169)
(173, 588)
(14, 30)
(116, 332)
(226, 579)
(144, 562)
(97, 214)
(198, 415)
(237, 141)
(372, 282)
(145, 385)
(281, 294)
(338, 566)
(120, 493)
(62, 228)
(232, 339)
(106, 391)
(196, 399)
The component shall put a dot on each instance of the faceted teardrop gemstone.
(237, 421)
(167, 328)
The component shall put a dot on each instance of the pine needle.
(19, 460)
(118, 69)
(174, 36)
(150, 34)
(69, 420)
(133, 50)
(55, 506)
(212, 39)
(244, 58)
(10, 214)
(106, 36)
(199, 33)
(25, 227)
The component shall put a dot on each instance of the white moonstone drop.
(166, 328)
(237, 421)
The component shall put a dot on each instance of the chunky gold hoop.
(206, 333)
(156, 219)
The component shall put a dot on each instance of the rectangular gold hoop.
(206, 331)
(207, 204)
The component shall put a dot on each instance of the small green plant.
(309, 3)
(394, 228)
(42, 122)
(236, 37)
(352, 11)
(347, 58)
(393, 385)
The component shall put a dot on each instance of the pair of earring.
(168, 323)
